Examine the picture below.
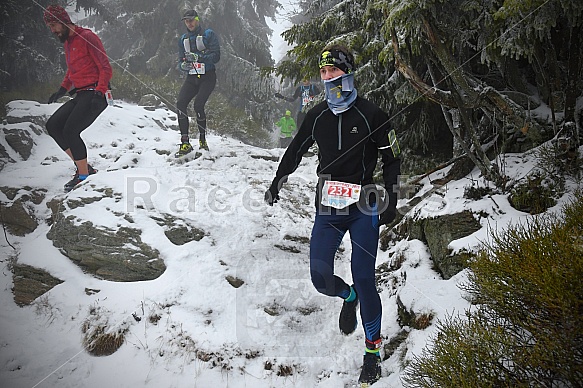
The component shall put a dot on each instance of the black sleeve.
(390, 154)
(297, 93)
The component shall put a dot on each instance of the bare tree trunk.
(544, 82)
(574, 69)
(478, 155)
(454, 71)
(432, 93)
(457, 80)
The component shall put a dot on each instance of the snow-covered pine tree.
(487, 62)
(30, 54)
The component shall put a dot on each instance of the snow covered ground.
(190, 327)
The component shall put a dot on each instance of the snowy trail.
(234, 308)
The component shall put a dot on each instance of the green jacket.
(287, 126)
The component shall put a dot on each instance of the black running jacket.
(348, 146)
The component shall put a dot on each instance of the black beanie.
(337, 58)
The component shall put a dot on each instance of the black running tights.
(67, 123)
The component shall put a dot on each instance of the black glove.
(98, 102)
(279, 95)
(58, 94)
(271, 195)
(387, 216)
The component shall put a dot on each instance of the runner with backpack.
(198, 52)
(307, 91)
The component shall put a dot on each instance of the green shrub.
(535, 195)
(555, 163)
(559, 158)
(131, 87)
(224, 119)
(475, 192)
(526, 329)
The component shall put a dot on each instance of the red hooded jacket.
(87, 62)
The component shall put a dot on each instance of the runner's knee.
(51, 126)
(323, 282)
(200, 113)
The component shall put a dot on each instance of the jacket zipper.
(339, 132)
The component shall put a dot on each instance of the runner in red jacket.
(88, 75)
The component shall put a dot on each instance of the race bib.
(198, 68)
(340, 194)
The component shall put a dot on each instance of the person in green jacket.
(287, 127)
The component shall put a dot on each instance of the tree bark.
(574, 69)
(434, 94)
(453, 70)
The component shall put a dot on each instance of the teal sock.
(82, 177)
(352, 295)
(375, 351)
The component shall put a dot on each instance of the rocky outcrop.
(409, 318)
(440, 231)
(437, 233)
(18, 215)
(20, 141)
(18, 111)
(4, 157)
(118, 255)
(30, 283)
(151, 101)
(180, 235)
(18, 138)
(177, 231)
